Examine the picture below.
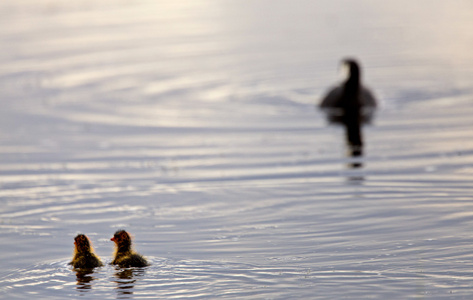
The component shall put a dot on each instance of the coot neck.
(123, 248)
(354, 79)
(352, 88)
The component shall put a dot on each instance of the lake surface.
(194, 127)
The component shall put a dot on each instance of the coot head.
(82, 243)
(353, 70)
(121, 239)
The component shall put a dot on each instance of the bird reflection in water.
(125, 280)
(84, 279)
(350, 105)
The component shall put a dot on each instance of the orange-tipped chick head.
(122, 239)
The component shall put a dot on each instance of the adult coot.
(351, 105)
(350, 95)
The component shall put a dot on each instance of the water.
(194, 127)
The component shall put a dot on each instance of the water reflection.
(84, 280)
(352, 121)
(125, 279)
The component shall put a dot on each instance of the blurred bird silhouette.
(350, 104)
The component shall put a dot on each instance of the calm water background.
(194, 127)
